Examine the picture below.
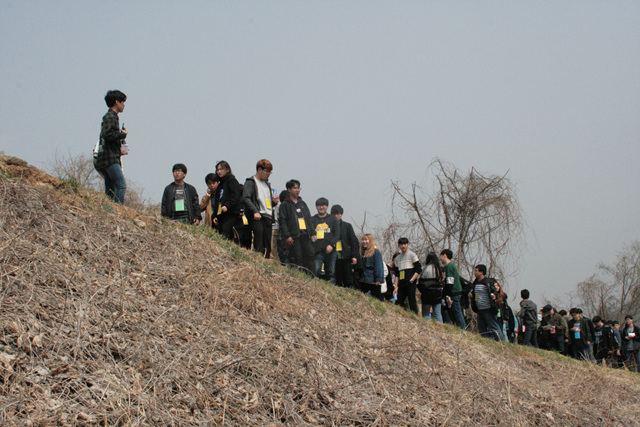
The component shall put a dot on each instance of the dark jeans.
(226, 222)
(488, 325)
(261, 235)
(580, 350)
(455, 312)
(329, 261)
(344, 275)
(407, 289)
(629, 356)
(301, 254)
(114, 183)
(530, 336)
(373, 288)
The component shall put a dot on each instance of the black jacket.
(229, 194)
(288, 219)
(191, 203)
(349, 241)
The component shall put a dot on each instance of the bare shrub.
(614, 291)
(478, 216)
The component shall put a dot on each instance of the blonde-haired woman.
(372, 267)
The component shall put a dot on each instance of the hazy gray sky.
(348, 95)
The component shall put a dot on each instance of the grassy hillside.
(112, 317)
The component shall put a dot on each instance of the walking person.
(111, 146)
(430, 285)
(372, 278)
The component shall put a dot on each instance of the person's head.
(223, 169)
(322, 204)
(115, 98)
(284, 194)
(367, 245)
(547, 309)
(524, 294)
(403, 244)
(597, 320)
(563, 313)
(212, 181)
(179, 172)
(263, 169)
(432, 259)
(446, 256)
(337, 211)
(576, 314)
(615, 324)
(498, 287)
(628, 319)
(480, 271)
(293, 187)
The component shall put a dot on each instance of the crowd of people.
(325, 246)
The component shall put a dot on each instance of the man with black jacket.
(483, 301)
(327, 235)
(553, 328)
(347, 250)
(259, 204)
(605, 342)
(295, 228)
(180, 202)
(580, 335)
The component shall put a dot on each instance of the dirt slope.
(108, 320)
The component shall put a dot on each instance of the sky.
(347, 96)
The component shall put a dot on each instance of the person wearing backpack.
(452, 288)
(431, 286)
(484, 304)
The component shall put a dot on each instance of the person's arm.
(206, 199)
(248, 193)
(110, 131)
(417, 269)
(234, 196)
(378, 270)
(449, 282)
(197, 214)
(164, 206)
(334, 236)
(353, 242)
(283, 223)
(307, 219)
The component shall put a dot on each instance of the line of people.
(325, 246)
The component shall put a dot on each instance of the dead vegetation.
(110, 318)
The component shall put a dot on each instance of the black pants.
(373, 288)
(261, 235)
(301, 253)
(344, 275)
(407, 289)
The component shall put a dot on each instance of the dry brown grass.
(110, 317)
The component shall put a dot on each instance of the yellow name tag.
(219, 209)
(244, 220)
(301, 224)
(268, 203)
(402, 275)
(320, 234)
(339, 246)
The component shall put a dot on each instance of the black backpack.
(467, 287)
